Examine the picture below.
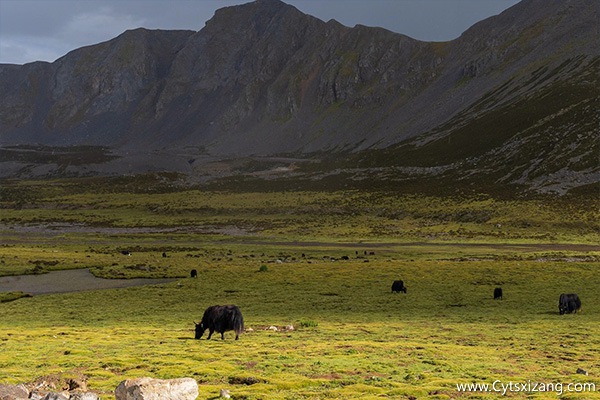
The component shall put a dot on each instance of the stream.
(74, 280)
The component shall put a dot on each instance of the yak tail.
(238, 322)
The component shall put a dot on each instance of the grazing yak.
(193, 273)
(221, 319)
(398, 286)
(568, 303)
(498, 293)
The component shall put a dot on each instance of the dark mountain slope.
(546, 139)
(513, 100)
(88, 96)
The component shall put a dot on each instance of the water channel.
(74, 280)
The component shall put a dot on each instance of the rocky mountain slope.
(514, 100)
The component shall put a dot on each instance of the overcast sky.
(32, 30)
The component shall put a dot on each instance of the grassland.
(352, 337)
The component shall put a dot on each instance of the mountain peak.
(251, 13)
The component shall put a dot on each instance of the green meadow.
(322, 262)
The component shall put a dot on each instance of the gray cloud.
(87, 27)
(48, 29)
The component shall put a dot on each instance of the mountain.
(512, 101)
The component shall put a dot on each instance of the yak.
(221, 319)
(568, 303)
(398, 286)
(498, 293)
(193, 273)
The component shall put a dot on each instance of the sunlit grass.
(353, 338)
(362, 341)
(302, 215)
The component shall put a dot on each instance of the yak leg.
(573, 307)
(223, 335)
(210, 332)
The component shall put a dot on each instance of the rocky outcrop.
(131, 389)
(22, 392)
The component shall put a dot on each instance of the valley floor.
(322, 263)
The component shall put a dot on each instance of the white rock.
(157, 389)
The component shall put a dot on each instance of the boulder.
(13, 392)
(56, 396)
(225, 393)
(84, 396)
(157, 389)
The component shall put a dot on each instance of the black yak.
(221, 319)
(398, 286)
(193, 273)
(568, 303)
(498, 293)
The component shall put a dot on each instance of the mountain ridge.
(264, 79)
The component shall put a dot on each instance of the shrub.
(309, 324)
